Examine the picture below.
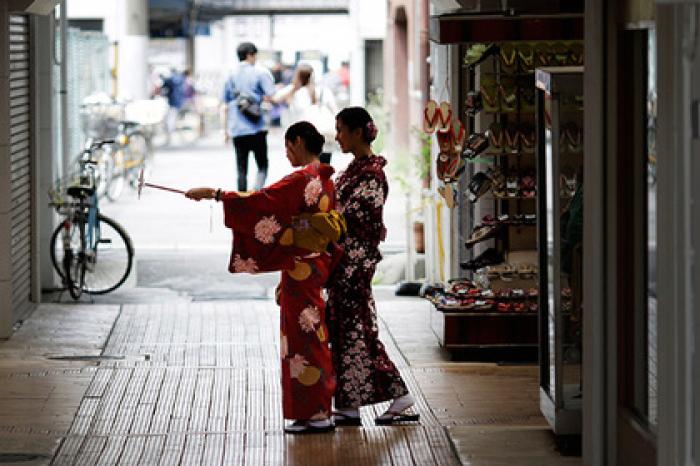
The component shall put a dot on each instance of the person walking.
(244, 92)
(291, 226)
(364, 373)
(173, 89)
(307, 103)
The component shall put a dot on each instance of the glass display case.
(560, 232)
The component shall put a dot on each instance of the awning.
(171, 18)
(496, 26)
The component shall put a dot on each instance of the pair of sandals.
(511, 138)
(513, 187)
(509, 272)
(507, 219)
(437, 118)
(388, 418)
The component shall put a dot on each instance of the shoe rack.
(498, 85)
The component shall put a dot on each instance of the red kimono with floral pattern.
(364, 372)
(262, 242)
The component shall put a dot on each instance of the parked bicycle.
(131, 152)
(91, 252)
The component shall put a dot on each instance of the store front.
(615, 321)
(25, 140)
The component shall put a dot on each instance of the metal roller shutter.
(21, 166)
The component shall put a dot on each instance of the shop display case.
(559, 103)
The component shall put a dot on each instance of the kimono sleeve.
(364, 207)
(275, 203)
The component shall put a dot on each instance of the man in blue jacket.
(244, 93)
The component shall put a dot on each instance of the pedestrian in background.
(173, 89)
(244, 93)
(306, 102)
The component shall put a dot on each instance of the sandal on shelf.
(512, 188)
(498, 182)
(526, 54)
(475, 144)
(526, 271)
(527, 138)
(448, 158)
(489, 95)
(542, 55)
(489, 257)
(508, 273)
(431, 117)
(505, 307)
(512, 139)
(392, 417)
(444, 117)
(474, 103)
(484, 305)
(528, 186)
(574, 137)
(519, 307)
(509, 58)
(561, 54)
(576, 53)
(509, 96)
(488, 220)
(478, 186)
(496, 138)
(503, 293)
(482, 233)
(477, 53)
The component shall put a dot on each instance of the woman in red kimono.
(364, 372)
(268, 225)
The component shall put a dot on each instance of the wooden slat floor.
(199, 385)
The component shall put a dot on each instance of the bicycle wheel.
(109, 263)
(65, 257)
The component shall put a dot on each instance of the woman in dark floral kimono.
(365, 374)
(288, 226)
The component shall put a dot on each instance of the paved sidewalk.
(197, 383)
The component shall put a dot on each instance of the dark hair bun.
(358, 117)
(313, 140)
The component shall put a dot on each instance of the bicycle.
(91, 252)
(133, 151)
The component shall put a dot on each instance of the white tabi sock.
(401, 403)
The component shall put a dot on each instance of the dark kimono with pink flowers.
(364, 372)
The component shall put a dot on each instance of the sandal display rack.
(491, 311)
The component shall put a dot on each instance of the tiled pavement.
(197, 383)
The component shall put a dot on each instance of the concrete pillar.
(46, 159)
(132, 36)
